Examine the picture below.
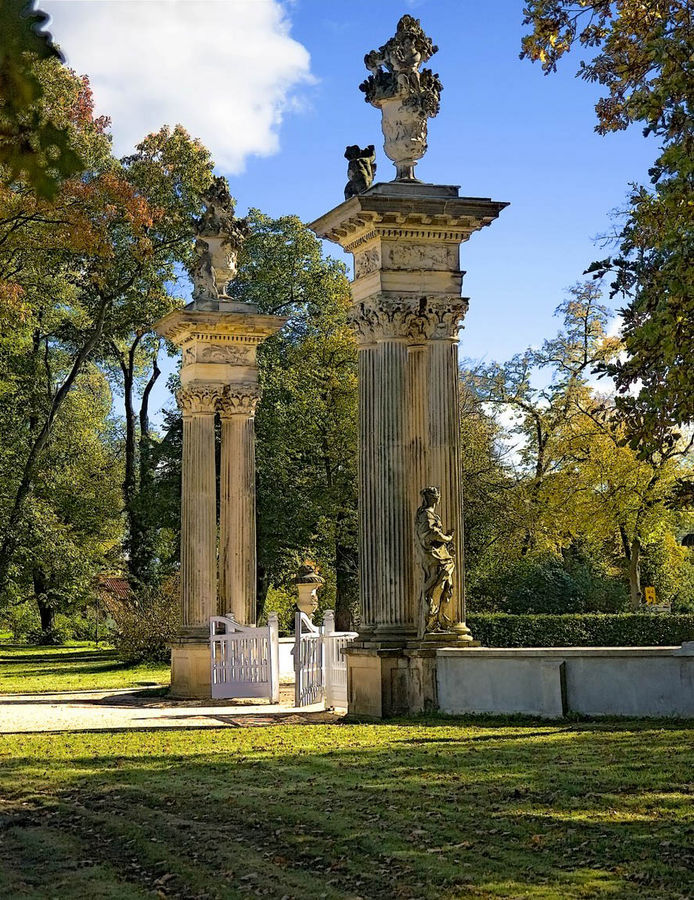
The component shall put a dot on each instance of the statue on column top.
(405, 96)
(218, 239)
(361, 168)
(437, 557)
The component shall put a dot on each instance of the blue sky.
(277, 100)
(505, 131)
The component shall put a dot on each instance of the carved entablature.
(199, 399)
(414, 319)
(239, 400)
(443, 217)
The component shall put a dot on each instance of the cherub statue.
(361, 169)
(202, 273)
(437, 557)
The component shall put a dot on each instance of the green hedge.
(581, 630)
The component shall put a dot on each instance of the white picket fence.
(244, 659)
(320, 665)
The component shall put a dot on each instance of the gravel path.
(109, 710)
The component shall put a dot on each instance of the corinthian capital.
(239, 400)
(198, 399)
(408, 318)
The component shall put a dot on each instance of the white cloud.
(227, 70)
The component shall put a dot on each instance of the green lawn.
(79, 666)
(435, 809)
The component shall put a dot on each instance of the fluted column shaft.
(444, 452)
(409, 439)
(369, 581)
(418, 392)
(396, 613)
(198, 512)
(237, 528)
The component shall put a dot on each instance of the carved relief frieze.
(367, 261)
(230, 354)
(412, 319)
(415, 256)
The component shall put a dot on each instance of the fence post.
(328, 621)
(328, 654)
(274, 657)
(297, 659)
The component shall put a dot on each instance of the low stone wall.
(551, 682)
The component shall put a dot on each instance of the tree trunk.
(346, 582)
(263, 585)
(46, 610)
(141, 531)
(635, 594)
(9, 542)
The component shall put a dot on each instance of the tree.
(90, 267)
(33, 146)
(543, 411)
(644, 60)
(172, 171)
(581, 486)
(71, 524)
(489, 488)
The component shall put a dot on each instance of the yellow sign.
(649, 593)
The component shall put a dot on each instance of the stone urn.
(406, 96)
(308, 582)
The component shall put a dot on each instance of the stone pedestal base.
(384, 682)
(190, 670)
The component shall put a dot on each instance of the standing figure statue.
(202, 273)
(437, 557)
(361, 168)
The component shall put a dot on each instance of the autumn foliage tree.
(641, 54)
(579, 486)
(84, 271)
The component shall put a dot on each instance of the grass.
(79, 666)
(441, 808)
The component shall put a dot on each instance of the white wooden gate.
(308, 661)
(244, 659)
(320, 665)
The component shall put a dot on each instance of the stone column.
(396, 614)
(198, 510)
(385, 482)
(418, 391)
(237, 536)
(369, 585)
(407, 309)
(444, 439)
(219, 339)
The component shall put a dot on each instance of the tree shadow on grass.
(38, 659)
(352, 811)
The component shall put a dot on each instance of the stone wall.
(551, 682)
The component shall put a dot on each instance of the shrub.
(581, 630)
(145, 625)
(549, 584)
(52, 637)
